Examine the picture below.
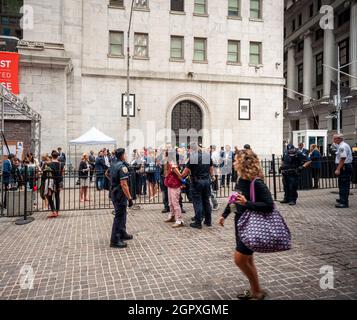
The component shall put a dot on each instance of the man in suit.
(100, 170)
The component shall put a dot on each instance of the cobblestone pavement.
(71, 257)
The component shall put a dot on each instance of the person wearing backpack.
(173, 183)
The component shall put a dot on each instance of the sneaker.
(292, 203)
(215, 207)
(177, 225)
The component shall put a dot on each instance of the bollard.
(274, 176)
(25, 219)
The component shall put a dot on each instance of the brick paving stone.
(71, 258)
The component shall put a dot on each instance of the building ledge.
(31, 60)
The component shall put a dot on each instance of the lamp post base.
(22, 221)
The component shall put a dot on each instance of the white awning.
(93, 137)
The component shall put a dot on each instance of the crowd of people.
(194, 170)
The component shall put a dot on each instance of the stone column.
(353, 44)
(291, 76)
(308, 67)
(330, 58)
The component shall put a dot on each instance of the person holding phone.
(248, 168)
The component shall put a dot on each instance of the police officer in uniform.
(121, 198)
(343, 169)
(294, 162)
(200, 168)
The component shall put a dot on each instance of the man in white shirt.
(343, 169)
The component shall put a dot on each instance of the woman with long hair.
(54, 184)
(151, 174)
(83, 174)
(249, 171)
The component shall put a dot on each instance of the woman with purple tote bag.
(247, 165)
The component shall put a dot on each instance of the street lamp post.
(127, 103)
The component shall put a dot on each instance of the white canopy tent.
(92, 137)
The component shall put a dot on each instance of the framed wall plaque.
(131, 108)
(244, 109)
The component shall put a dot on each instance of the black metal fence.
(23, 192)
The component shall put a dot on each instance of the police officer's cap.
(119, 152)
(290, 147)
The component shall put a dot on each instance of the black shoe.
(341, 206)
(284, 201)
(183, 211)
(119, 244)
(195, 225)
(166, 210)
(338, 200)
(292, 203)
(208, 224)
(128, 237)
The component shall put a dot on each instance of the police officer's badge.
(125, 170)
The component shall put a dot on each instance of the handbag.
(172, 181)
(263, 232)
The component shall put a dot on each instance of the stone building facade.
(199, 56)
(307, 48)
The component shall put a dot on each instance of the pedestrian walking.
(343, 170)
(248, 168)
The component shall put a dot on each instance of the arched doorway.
(187, 116)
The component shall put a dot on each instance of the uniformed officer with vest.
(343, 171)
(294, 162)
(121, 198)
(200, 168)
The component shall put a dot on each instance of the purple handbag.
(263, 232)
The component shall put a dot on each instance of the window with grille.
(256, 9)
(300, 78)
(116, 43)
(344, 54)
(233, 51)
(319, 69)
(177, 45)
(178, 5)
(255, 54)
(200, 49)
(233, 8)
(141, 45)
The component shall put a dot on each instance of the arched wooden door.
(186, 115)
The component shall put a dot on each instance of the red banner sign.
(9, 71)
